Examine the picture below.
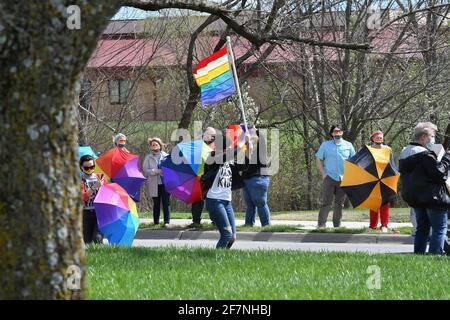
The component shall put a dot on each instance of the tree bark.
(41, 59)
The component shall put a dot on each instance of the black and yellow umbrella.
(370, 178)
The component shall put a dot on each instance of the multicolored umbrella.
(117, 216)
(183, 168)
(122, 167)
(370, 178)
(84, 150)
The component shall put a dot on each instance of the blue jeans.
(437, 221)
(255, 196)
(222, 214)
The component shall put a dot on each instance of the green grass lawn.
(170, 273)
(362, 215)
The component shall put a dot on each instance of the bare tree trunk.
(41, 248)
(307, 153)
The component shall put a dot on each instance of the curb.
(145, 234)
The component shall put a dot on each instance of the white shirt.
(221, 187)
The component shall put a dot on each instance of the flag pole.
(236, 83)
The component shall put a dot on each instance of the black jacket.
(258, 159)
(423, 178)
(212, 166)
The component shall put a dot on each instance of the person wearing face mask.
(330, 162)
(91, 182)
(120, 141)
(423, 187)
(377, 141)
(155, 184)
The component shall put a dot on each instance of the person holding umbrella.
(377, 142)
(155, 184)
(423, 179)
(91, 182)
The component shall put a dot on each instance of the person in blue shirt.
(330, 162)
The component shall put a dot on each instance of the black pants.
(90, 227)
(197, 209)
(163, 197)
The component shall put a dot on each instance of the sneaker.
(166, 225)
(105, 241)
(384, 230)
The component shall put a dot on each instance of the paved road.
(255, 245)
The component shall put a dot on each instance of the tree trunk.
(41, 59)
(307, 154)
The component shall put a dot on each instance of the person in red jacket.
(91, 182)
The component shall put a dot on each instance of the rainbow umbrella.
(122, 168)
(183, 168)
(117, 215)
(84, 150)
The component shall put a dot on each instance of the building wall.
(160, 97)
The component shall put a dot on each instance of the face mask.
(379, 143)
(337, 138)
(155, 150)
(121, 145)
(431, 143)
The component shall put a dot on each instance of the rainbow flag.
(214, 77)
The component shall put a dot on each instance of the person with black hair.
(91, 182)
(330, 162)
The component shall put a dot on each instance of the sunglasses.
(89, 168)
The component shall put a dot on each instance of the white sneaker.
(105, 241)
(384, 230)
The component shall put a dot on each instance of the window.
(118, 91)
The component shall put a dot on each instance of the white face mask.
(431, 142)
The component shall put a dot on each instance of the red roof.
(132, 53)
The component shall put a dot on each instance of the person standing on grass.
(330, 161)
(377, 142)
(423, 188)
(156, 189)
(220, 177)
(197, 207)
(91, 182)
(256, 183)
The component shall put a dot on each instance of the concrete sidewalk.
(283, 237)
(385, 248)
(293, 237)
